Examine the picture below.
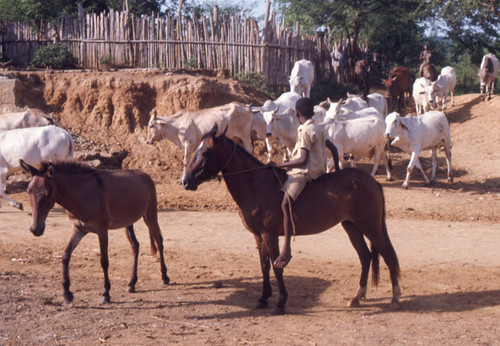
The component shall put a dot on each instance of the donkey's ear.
(225, 130)
(28, 168)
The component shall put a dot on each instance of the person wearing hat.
(308, 162)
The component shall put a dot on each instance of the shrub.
(254, 79)
(55, 56)
(190, 64)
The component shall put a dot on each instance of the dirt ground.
(446, 237)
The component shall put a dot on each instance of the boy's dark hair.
(305, 106)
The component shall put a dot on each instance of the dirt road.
(450, 286)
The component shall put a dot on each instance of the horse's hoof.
(166, 280)
(68, 298)
(395, 305)
(105, 299)
(131, 289)
(279, 311)
(353, 303)
(262, 305)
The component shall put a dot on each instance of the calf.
(414, 134)
(487, 74)
(444, 85)
(33, 145)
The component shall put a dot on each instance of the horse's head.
(42, 196)
(206, 162)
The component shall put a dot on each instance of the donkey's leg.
(76, 236)
(271, 243)
(265, 266)
(151, 221)
(129, 232)
(365, 257)
(103, 244)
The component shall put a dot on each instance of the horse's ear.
(225, 130)
(50, 171)
(28, 168)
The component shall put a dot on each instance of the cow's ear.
(28, 168)
(214, 130)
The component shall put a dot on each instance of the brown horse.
(349, 196)
(428, 71)
(95, 201)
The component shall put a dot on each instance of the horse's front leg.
(129, 232)
(77, 235)
(271, 242)
(265, 266)
(103, 244)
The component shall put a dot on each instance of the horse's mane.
(67, 166)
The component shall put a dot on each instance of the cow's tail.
(71, 147)
(389, 160)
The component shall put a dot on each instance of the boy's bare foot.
(282, 260)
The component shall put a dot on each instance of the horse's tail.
(154, 248)
(390, 256)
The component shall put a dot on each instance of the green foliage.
(107, 61)
(55, 56)
(190, 64)
(329, 88)
(254, 79)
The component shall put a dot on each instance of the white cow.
(338, 112)
(186, 128)
(360, 137)
(375, 100)
(487, 73)
(422, 104)
(17, 120)
(414, 134)
(302, 77)
(444, 85)
(259, 124)
(33, 145)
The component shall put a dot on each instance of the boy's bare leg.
(286, 252)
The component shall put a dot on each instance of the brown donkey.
(95, 201)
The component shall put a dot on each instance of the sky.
(258, 6)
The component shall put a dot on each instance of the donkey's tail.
(389, 255)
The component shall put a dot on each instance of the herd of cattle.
(359, 127)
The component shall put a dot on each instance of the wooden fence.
(233, 43)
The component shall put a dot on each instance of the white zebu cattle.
(186, 128)
(17, 120)
(259, 124)
(375, 100)
(33, 145)
(302, 77)
(414, 134)
(420, 96)
(361, 137)
(487, 73)
(444, 85)
(338, 112)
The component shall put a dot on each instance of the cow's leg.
(376, 160)
(419, 166)
(434, 164)
(130, 234)
(103, 244)
(188, 149)
(452, 97)
(76, 236)
(269, 148)
(414, 161)
(447, 150)
(3, 182)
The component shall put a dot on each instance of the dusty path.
(450, 284)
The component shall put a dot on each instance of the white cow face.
(269, 118)
(154, 129)
(392, 125)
